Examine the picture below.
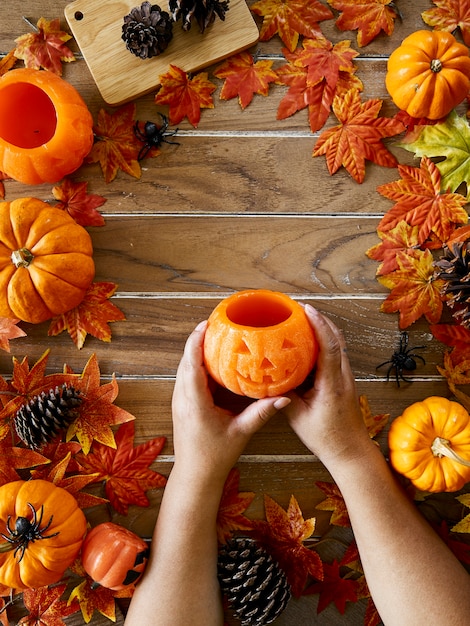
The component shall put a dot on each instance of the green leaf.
(449, 139)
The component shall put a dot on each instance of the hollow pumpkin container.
(46, 129)
(46, 261)
(428, 74)
(430, 444)
(113, 556)
(259, 343)
(43, 529)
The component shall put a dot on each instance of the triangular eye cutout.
(265, 364)
(286, 344)
(243, 348)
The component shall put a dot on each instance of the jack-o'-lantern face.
(259, 343)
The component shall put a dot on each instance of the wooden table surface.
(240, 203)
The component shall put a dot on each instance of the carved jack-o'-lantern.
(259, 343)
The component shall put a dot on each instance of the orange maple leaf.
(9, 330)
(45, 606)
(455, 373)
(13, 458)
(414, 290)
(185, 95)
(419, 202)
(333, 588)
(449, 15)
(116, 147)
(232, 505)
(96, 412)
(125, 469)
(244, 78)
(402, 237)
(334, 502)
(358, 137)
(290, 18)
(73, 198)
(455, 336)
(93, 598)
(369, 17)
(374, 423)
(47, 48)
(91, 316)
(7, 62)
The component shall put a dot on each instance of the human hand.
(209, 439)
(327, 418)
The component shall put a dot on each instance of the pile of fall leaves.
(428, 214)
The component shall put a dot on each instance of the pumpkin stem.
(441, 447)
(6, 546)
(21, 257)
(436, 65)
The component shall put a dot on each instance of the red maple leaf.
(334, 502)
(116, 147)
(358, 137)
(124, 469)
(9, 330)
(96, 413)
(47, 48)
(244, 77)
(368, 17)
(414, 290)
(73, 198)
(290, 18)
(185, 95)
(333, 588)
(232, 505)
(91, 316)
(457, 337)
(401, 238)
(449, 15)
(45, 606)
(283, 535)
(13, 458)
(419, 201)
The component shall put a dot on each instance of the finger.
(260, 412)
(330, 341)
(191, 370)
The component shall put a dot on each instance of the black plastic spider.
(403, 359)
(153, 136)
(26, 531)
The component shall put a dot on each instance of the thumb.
(260, 412)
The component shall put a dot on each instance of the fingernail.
(281, 403)
(201, 325)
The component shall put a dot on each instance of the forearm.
(180, 585)
(413, 577)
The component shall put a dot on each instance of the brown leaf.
(375, 423)
(232, 506)
(47, 48)
(7, 62)
(9, 330)
(334, 502)
(73, 198)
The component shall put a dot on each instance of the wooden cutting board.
(121, 76)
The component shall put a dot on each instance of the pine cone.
(202, 11)
(454, 269)
(147, 30)
(255, 586)
(39, 421)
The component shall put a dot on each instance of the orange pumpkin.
(113, 556)
(259, 343)
(43, 529)
(46, 129)
(46, 260)
(428, 74)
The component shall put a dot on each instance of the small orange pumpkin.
(113, 556)
(46, 260)
(428, 74)
(430, 444)
(259, 343)
(43, 529)
(46, 129)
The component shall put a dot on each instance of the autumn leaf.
(455, 373)
(7, 62)
(401, 238)
(232, 506)
(45, 606)
(244, 77)
(333, 588)
(374, 423)
(414, 290)
(464, 525)
(368, 17)
(13, 458)
(419, 201)
(93, 598)
(91, 316)
(290, 18)
(73, 198)
(125, 468)
(47, 48)
(283, 535)
(457, 337)
(449, 139)
(185, 95)
(449, 15)
(9, 330)
(358, 137)
(116, 147)
(460, 549)
(97, 413)
(334, 502)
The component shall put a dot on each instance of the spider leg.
(143, 151)
(417, 356)
(382, 364)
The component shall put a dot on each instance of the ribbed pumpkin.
(46, 129)
(43, 530)
(428, 74)
(113, 556)
(430, 444)
(46, 260)
(259, 343)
